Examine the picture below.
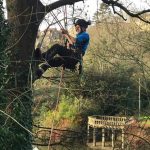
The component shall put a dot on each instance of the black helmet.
(82, 23)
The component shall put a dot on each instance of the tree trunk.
(25, 23)
(24, 17)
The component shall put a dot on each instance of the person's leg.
(55, 62)
(55, 49)
(42, 69)
(49, 53)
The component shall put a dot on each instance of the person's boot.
(41, 70)
(39, 73)
(37, 54)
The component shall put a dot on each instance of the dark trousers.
(59, 55)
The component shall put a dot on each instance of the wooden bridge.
(106, 123)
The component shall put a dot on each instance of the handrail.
(107, 121)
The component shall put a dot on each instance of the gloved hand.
(63, 31)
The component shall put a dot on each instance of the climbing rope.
(56, 108)
(60, 25)
(56, 19)
(65, 17)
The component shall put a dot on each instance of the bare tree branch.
(136, 15)
(60, 3)
(115, 12)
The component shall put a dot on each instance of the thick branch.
(60, 3)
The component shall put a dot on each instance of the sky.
(140, 4)
(91, 7)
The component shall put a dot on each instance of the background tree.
(4, 61)
(136, 14)
(103, 12)
(25, 17)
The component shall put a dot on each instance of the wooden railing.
(107, 121)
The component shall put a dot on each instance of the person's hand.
(63, 31)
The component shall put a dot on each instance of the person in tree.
(69, 55)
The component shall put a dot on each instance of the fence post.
(122, 138)
(103, 137)
(88, 133)
(94, 136)
(112, 137)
